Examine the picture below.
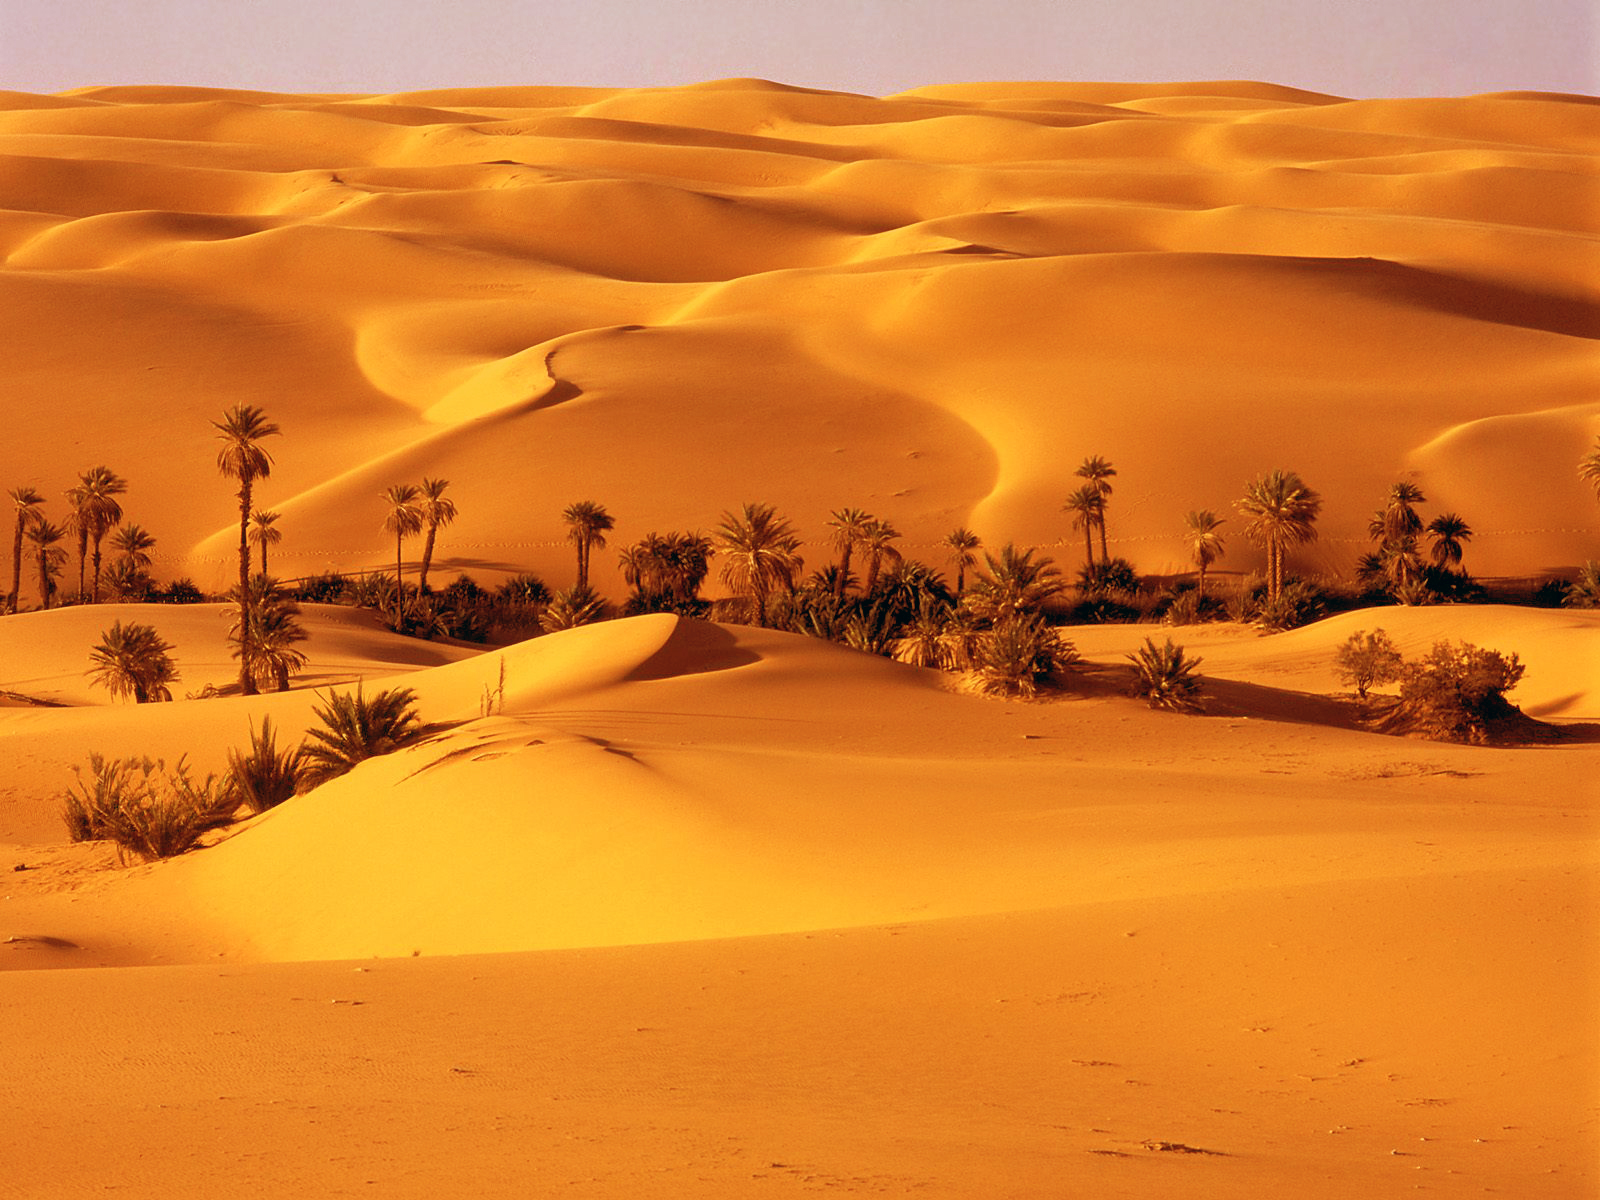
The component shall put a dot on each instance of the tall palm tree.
(1589, 467)
(962, 542)
(44, 535)
(27, 502)
(403, 520)
(437, 511)
(587, 526)
(761, 551)
(879, 545)
(1205, 543)
(1450, 534)
(1282, 511)
(241, 429)
(1099, 473)
(133, 660)
(100, 513)
(850, 527)
(264, 532)
(1087, 507)
(1396, 527)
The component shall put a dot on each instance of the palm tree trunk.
(583, 564)
(427, 556)
(1105, 556)
(16, 569)
(759, 587)
(1088, 544)
(961, 578)
(844, 571)
(1200, 597)
(399, 586)
(96, 594)
(247, 681)
(83, 550)
(44, 581)
(263, 556)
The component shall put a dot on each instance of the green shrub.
(1019, 655)
(357, 727)
(1455, 693)
(328, 588)
(144, 807)
(1164, 675)
(1584, 591)
(266, 776)
(1367, 660)
(572, 608)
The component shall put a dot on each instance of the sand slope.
(931, 305)
(1050, 936)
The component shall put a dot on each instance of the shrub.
(179, 591)
(144, 807)
(1455, 693)
(1551, 593)
(266, 776)
(1164, 675)
(1298, 603)
(357, 727)
(133, 660)
(1367, 660)
(524, 589)
(1186, 607)
(1019, 655)
(328, 588)
(1584, 591)
(1114, 575)
(571, 608)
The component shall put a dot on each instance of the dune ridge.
(1104, 268)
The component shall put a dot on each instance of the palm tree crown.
(1013, 582)
(760, 551)
(850, 527)
(95, 512)
(44, 535)
(1087, 506)
(1282, 511)
(1450, 534)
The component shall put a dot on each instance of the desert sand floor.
(717, 911)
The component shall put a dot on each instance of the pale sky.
(1350, 47)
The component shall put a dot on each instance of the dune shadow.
(693, 648)
(1233, 698)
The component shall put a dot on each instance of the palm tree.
(1589, 467)
(878, 544)
(274, 629)
(1450, 535)
(1205, 543)
(1282, 512)
(98, 513)
(44, 537)
(667, 566)
(1099, 473)
(1087, 507)
(404, 520)
(1396, 527)
(133, 660)
(241, 429)
(264, 532)
(437, 512)
(78, 525)
(850, 526)
(761, 551)
(587, 525)
(133, 545)
(962, 542)
(27, 501)
(1015, 582)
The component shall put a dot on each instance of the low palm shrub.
(133, 660)
(357, 727)
(144, 807)
(571, 608)
(265, 776)
(1020, 655)
(1164, 675)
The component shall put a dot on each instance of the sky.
(1348, 47)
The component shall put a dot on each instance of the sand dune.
(696, 910)
(1117, 269)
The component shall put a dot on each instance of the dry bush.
(144, 807)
